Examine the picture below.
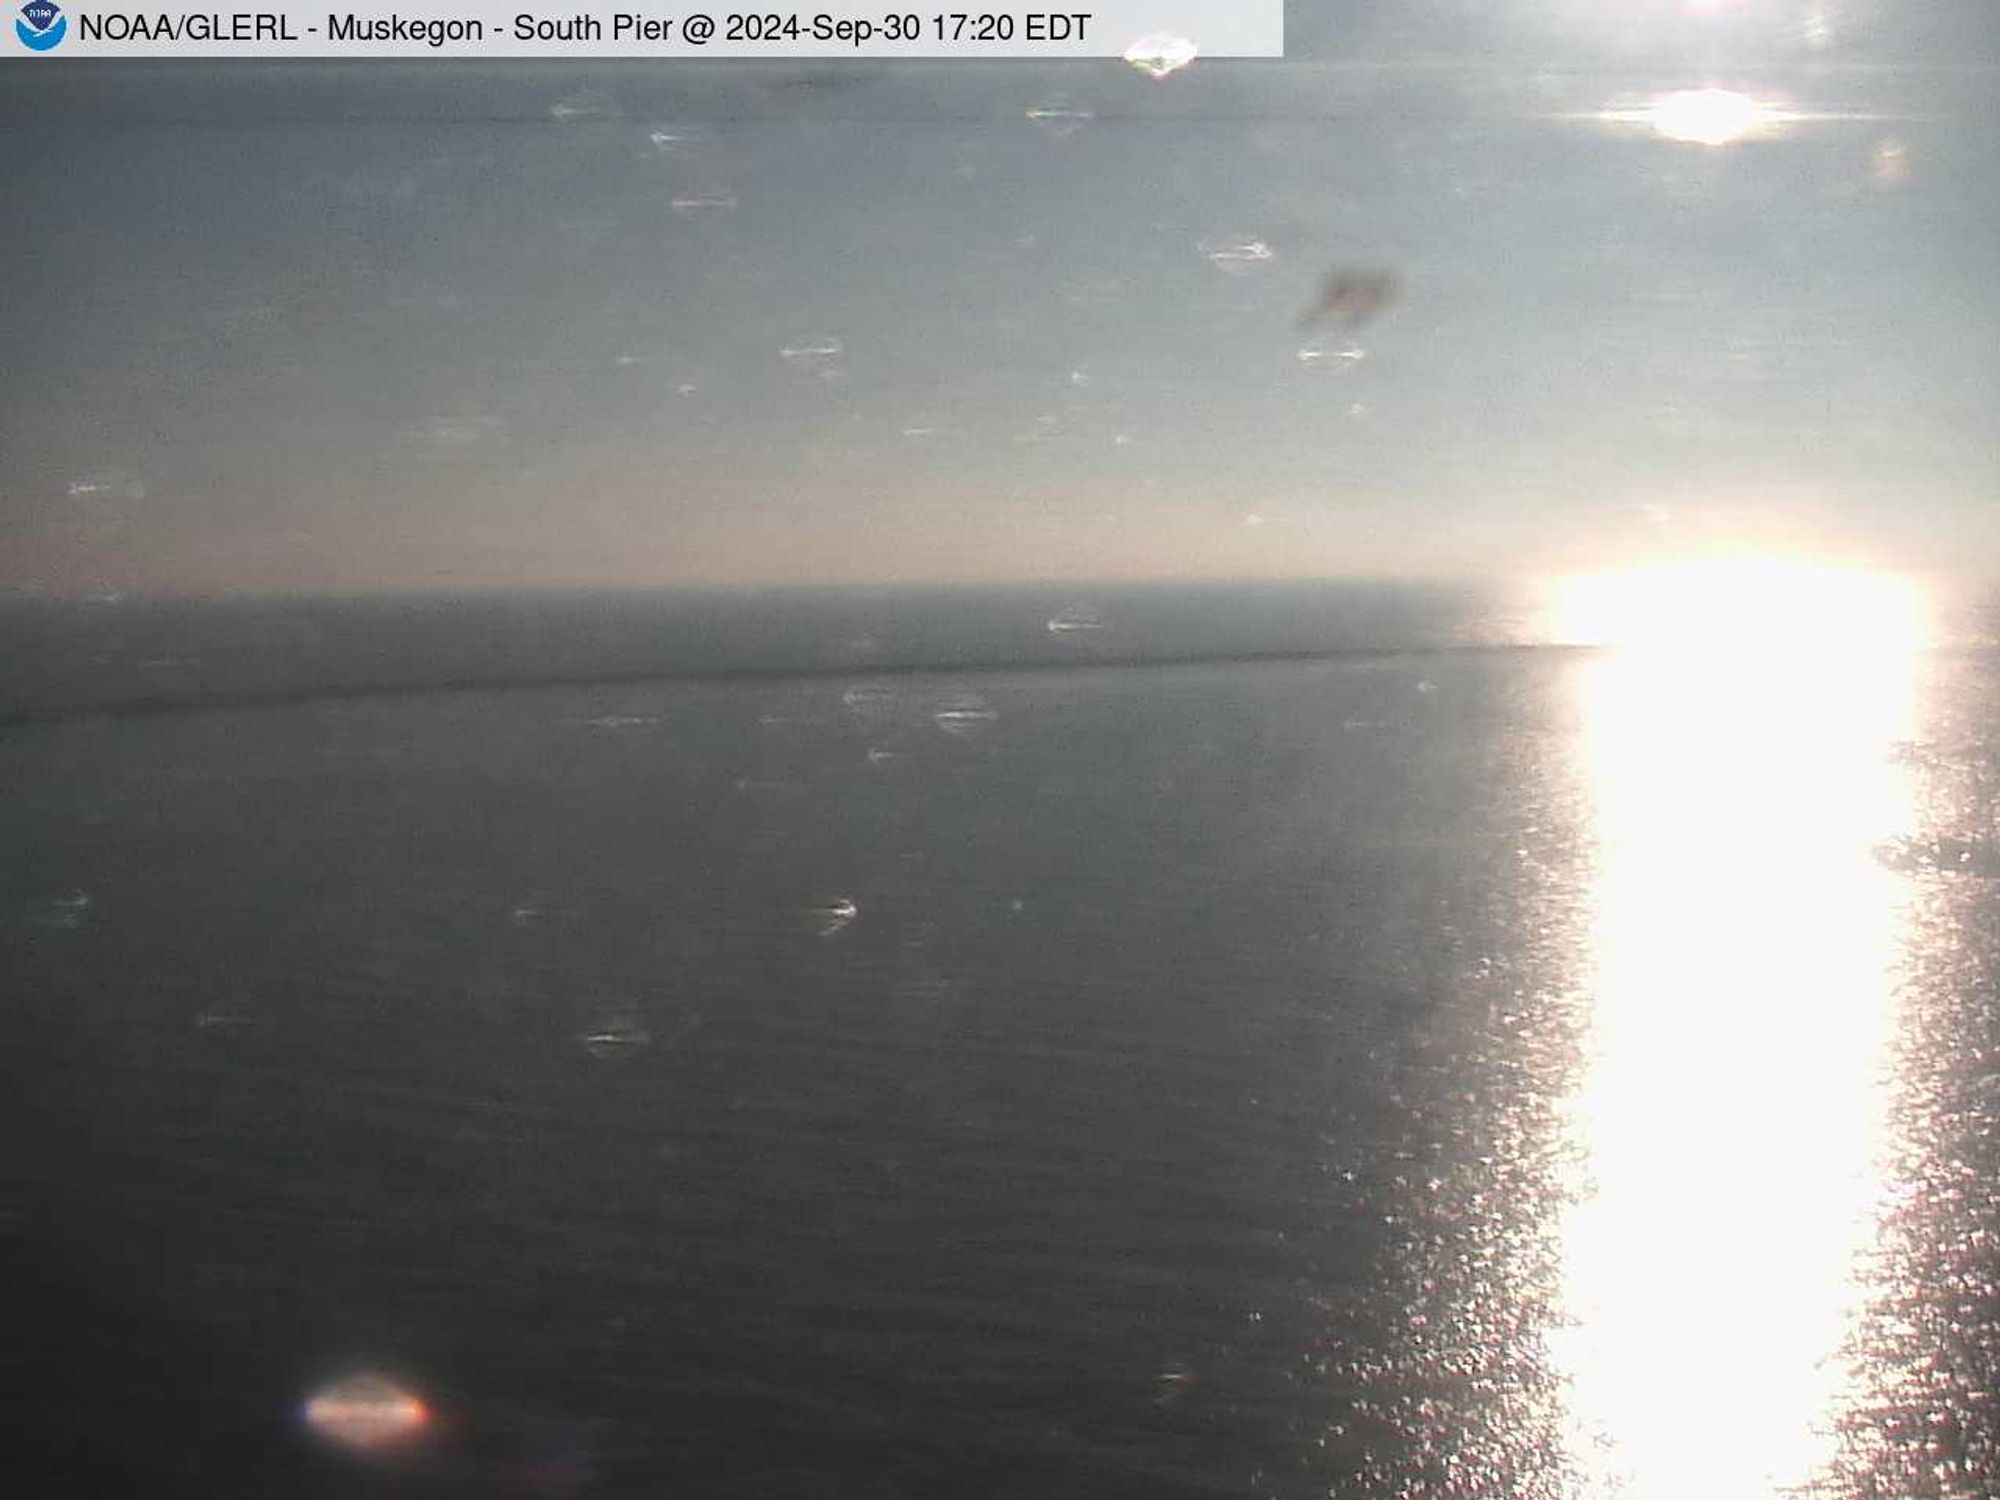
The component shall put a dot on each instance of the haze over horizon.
(628, 327)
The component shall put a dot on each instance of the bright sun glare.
(1705, 117)
(1727, 1129)
(1739, 604)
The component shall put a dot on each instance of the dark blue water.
(1071, 1079)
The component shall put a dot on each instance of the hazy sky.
(337, 328)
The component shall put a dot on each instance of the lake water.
(1265, 1044)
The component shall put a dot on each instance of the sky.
(335, 329)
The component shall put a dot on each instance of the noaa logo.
(42, 25)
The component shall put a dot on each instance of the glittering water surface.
(1743, 958)
(1558, 1072)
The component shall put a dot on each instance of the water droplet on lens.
(708, 203)
(1237, 254)
(1171, 1384)
(1060, 117)
(1889, 164)
(64, 913)
(1160, 53)
(819, 359)
(1331, 353)
(1078, 619)
(797, 712)
(582, 107)
(964, 715)
(110, 486)
(677, 140)
(828, 917)
(615, 1036)
(365, 1414)
(873, 704)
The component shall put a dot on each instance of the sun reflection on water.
(1728, 1129)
